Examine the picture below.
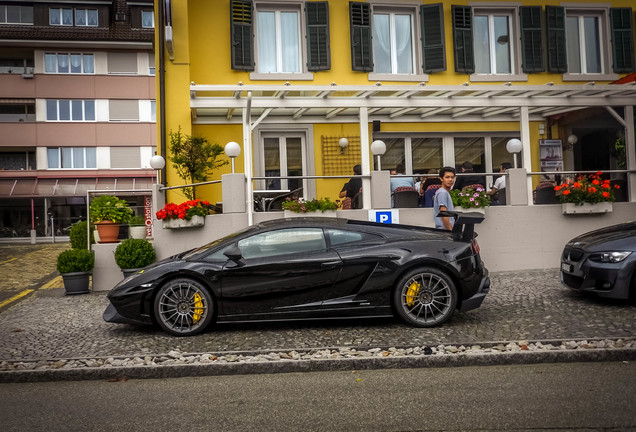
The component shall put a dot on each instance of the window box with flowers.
(185, 215)
(468, 199)
(317, 207)
(587, 194)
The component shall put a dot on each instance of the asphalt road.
(548, 397)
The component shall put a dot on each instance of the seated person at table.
(351, 188)
(469, 179)
(401, 180)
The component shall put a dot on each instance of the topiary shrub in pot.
(133, 254)
(137, 229)
(77, 235)
(75, 266)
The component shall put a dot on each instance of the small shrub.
(315, 205)
(75, 260)
(134, 253)
(78, 235)
(137, 221)
(107, 207)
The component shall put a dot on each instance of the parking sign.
(384, 216)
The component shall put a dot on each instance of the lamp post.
(157, 162)
(343, 144)
(232, 149)
(378, 148)
(514, 146)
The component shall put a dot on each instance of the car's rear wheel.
(425, 297)
(184, 307)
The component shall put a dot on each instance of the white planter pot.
(586, 208)
(196, 221)
(137, 232)
(96, 236)
(472, 210)
(328, 213)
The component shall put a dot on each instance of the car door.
(281, 272)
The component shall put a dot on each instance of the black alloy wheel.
(184, 307)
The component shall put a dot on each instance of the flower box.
(196, 221)
(586, 208)
(326, 213)
(461, 209)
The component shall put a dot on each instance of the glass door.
(283, 156)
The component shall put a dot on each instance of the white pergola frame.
(218, 104)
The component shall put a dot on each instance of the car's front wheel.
(183, 307)
(425, 297)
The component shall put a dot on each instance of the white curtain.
(266, 42)
(381, 44)
(289, 39)
(76, 63)
(89, 63)
(80, 17)
(62, 63)
(403, 50)
(50, 63)
(91, 157)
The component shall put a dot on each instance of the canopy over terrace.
(221, 104)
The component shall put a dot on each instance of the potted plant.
(187, 214)
(587, 194)
(137, 229)
(108, 212)
(133, 254)
(75, 266)
(77, 235)
(469, 199)
(321, 207)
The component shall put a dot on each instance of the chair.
(276, 203)
(546, 195)
(356, 201)
(429, 194)
(501, 196)
(473, 186)
(406, 198)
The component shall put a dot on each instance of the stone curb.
(318, 365)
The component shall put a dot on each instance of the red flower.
(591, 190)
(577, 185)
(557, 188)
(617, 186)
(566, 192)
(596, 182)
(606, 194)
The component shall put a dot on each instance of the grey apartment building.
(77, 108)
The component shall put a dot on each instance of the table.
(262, 197)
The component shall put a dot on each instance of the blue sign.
(384, 216)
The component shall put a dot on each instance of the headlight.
(609, 257)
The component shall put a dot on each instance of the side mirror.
(233, 253)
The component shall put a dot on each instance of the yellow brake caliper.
(411, 293)
(198, 308)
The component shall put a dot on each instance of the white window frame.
(85, 12)
(514, 29)
(294, 6)
(142, 19)
(57, 65)
(416, 44)
(61, 16)
(57, 110)
(73, 167)
(21, 8)
(602, 13)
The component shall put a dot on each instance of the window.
(63, 63)
(147, 19)
(341, 237)
(290, 39)
(492, 43)
(278, 41)
(125, 157)
(583, 36)
(283, 156)
(384, 41)
(153, 111)
(283, 242)
(122, 63)
(72, 157)
(82, 17)
(393, 43)
(70, 110)
(151, 64)
(16, 14)
(123, 110)
(427, 155)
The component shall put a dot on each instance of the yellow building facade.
(438, 83)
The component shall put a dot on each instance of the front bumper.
(610, 280)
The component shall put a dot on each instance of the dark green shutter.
(318, 47)
(463, 39)
(433, 46)
(622, 39)
(555, 22)
(360, 23)
(242, 51)
(531, 40)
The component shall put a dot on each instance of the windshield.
(211, 245)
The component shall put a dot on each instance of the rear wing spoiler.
(464, 228)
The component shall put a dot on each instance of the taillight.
(475, 247)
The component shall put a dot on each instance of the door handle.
(331, 264)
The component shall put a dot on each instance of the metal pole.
(52, 229)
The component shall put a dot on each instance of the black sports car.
(290, 269)
(602, 261)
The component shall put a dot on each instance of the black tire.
(184, 307)
(425, 297)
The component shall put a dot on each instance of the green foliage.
(107, 207)
(586, 189)
(302, 206)
(77, 235)
(75, 260)
(194, 158)
(620, 152)
(134, 253)
(137, 221)
(470, 198)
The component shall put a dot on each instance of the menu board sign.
(551, 155)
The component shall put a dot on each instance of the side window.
(343, 237)
(283, 242)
